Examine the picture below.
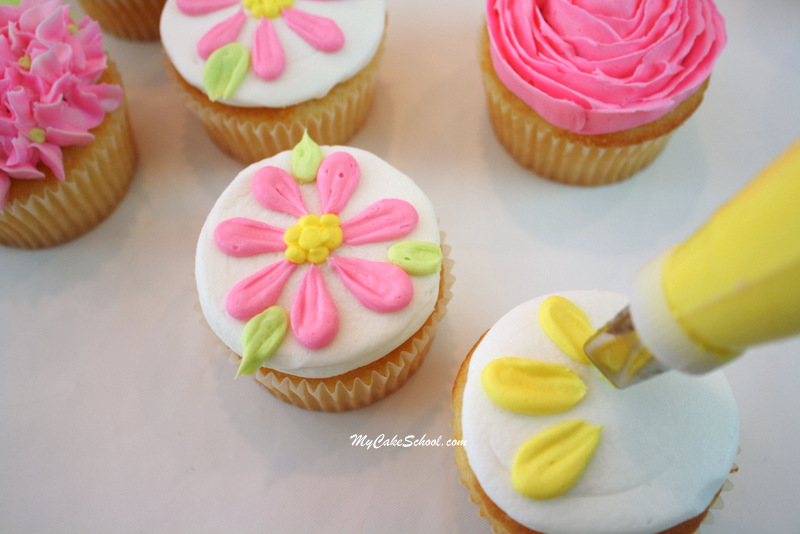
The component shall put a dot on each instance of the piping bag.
(732, 285)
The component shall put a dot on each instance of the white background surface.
(117, 414)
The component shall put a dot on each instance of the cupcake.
(322, 272)
(589, 93)
(260, 73)
(134, 20)
(550, 446)
(67, 154)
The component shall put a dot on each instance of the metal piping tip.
(618, 353)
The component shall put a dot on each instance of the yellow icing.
(312, 238)
(24, 62)
(567, 325)
(736, 282)
(306, 158)
(550, 463)
(267, 8)
(37, 135)
(532, 387)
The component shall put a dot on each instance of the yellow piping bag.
(732, 285)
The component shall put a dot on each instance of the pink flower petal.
(201, 7)
(386, 219)
(337, 177)
(275, 189)
(314, 318)
(268, 57)
(258, 291)
(320, 32)
(379, 286)
(243, 237)
(221, 34)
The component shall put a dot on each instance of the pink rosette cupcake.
(588, 93)
(66, 150)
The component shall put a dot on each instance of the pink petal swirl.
(275, 189)
(337, 178)
(379, 286)
(386, 219)
(221, 34)
(269, 60)
(320, 32)
(314, 317)
(242, 237)
(258, 291)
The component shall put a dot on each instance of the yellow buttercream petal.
(567, 325)
(551, 462)
(532, 387)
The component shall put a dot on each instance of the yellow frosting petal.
(551, 462)
(567, 325)
(532, 387)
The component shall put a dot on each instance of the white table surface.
(117, 414)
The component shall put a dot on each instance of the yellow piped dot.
(313, 238)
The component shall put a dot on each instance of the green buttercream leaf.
(261, 337)
(306, 158)
(417, 258)
(225, 70)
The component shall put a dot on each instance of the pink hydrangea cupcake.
(66, 150)
(589, 93)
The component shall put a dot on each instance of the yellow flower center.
(37, 135)
(267, 8)
(24, 62)
(313, 238)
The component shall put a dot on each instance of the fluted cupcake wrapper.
(252, 134)
(98, 176)
(362, 386)
(135, 20)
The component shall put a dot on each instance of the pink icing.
(384, 220)
(315, 319)
(258, 291)
(337, 178)
(269, 59)
(49, 97)
(379, 286)
(221, 34)
(593, 67)
(320, 32)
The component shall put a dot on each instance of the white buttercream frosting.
(364, 335)
(666, 448)
(309, 73)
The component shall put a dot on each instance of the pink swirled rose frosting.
(596, 66)
(48, 95)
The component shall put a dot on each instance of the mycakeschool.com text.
(383, 441)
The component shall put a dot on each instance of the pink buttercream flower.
(268, 58)
(49, 97)
(379, 286)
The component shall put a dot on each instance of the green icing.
(225, 70)
(261, 337)
(417, 258)
(306, 158)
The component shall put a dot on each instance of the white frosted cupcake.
(259, 73)
(551, 447)
(322, 271)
